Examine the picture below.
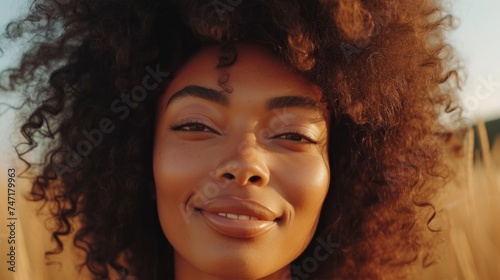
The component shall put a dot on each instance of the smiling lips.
(238, 218)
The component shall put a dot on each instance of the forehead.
(255, 70)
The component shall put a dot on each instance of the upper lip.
(239, 206)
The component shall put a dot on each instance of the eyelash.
(179, 127)
(296, 133)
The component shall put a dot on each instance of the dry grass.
(470, 216)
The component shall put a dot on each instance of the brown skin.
(269, 162)
(383, 66)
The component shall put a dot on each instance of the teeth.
(236, 217)
(232, 216)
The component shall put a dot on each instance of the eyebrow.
(200, 92)
(278, 102)
(292, 101)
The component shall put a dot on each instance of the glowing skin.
(239, 190)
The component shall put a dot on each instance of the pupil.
(198, 127)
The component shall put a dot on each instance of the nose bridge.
(244, 163)
(247, 146)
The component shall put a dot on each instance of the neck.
(186, 271)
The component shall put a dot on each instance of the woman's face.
(240, 177)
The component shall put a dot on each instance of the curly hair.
(383, 66)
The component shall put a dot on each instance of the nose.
(245, 164)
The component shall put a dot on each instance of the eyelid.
(297, 132)
(186, 122)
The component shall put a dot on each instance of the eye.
(295, 136)
(194, 126)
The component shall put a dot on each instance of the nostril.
(228, 176)
(254, 179)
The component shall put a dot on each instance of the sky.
(10, 9)
(476, 40)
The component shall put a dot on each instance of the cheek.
(177, 167)
(175, 177)
(304, 183)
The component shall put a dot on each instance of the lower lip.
(237, 228)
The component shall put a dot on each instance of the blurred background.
(471, 204)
